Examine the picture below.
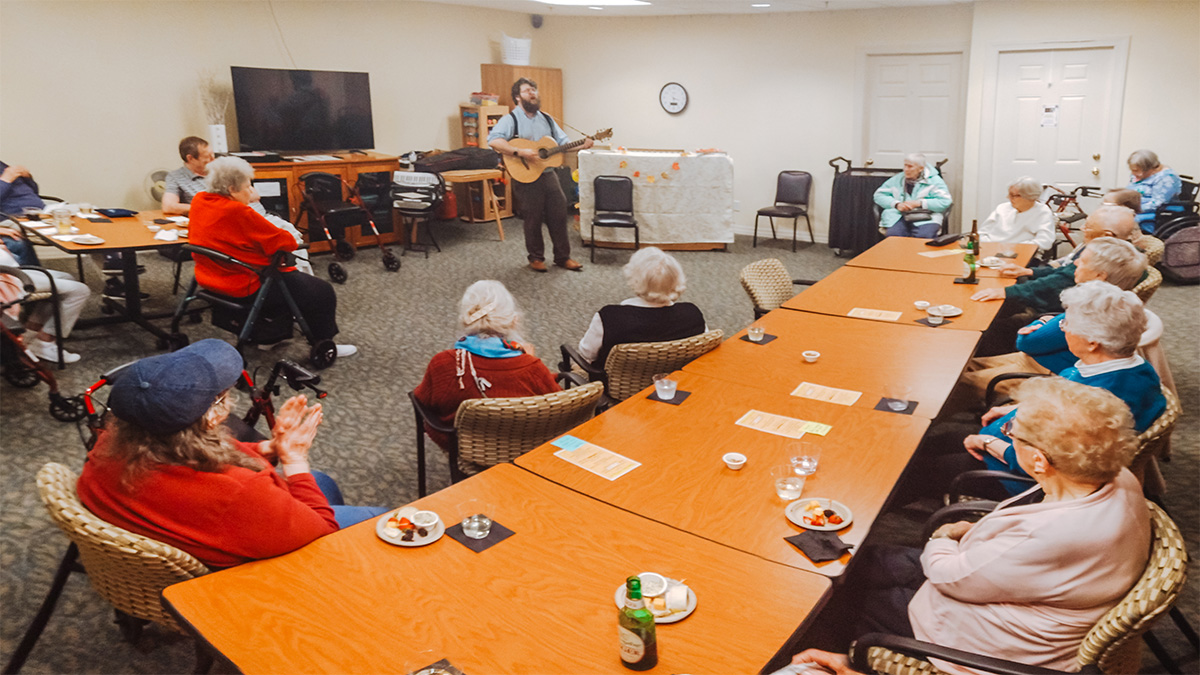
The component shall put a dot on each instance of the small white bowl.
(653, 584)
(425, 519)
(921, 304)
(811, 356)
(734, 460)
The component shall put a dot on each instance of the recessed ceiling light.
(592, 4)
(760, 5)
(594, 7)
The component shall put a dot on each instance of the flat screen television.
(302, 110)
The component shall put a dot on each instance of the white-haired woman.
(1156, 183)
(487, 360)
(653, 315)
(1028, 581)
(1042, 345)
(917, 187)
(222, 219)
(1022, 219)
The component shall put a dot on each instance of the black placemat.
(498, 534)
(767, 337)
(882, 405)
(819, 545)
(98, 220)
(444, 664)
(925, 321)
(162, 221)
(680, 395)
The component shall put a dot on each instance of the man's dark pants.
(540, 200)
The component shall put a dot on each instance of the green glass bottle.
(639, 644)
(970, 264)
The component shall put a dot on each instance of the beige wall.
(778, 91)
(118, 82)
(1161, 108)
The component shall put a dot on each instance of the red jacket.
(522, 375)
(223, 518)
(229, 226)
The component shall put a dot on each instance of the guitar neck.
(566, 147)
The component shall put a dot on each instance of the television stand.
(286, 176)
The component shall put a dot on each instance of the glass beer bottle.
(970, 260)
(639, 644)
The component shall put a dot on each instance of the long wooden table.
(903, 254)
(541, 601)
(121, 235)
(683, 482)
(848, 288)
(863, 356)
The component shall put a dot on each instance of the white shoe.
(346, 350)
(48, 351)
(273, 345)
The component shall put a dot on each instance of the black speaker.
(536, 20)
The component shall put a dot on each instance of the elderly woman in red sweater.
(221, 219)
(488, 359)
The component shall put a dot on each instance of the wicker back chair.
(1112, 644)
(768, 284)
(1152, 442)
(489, 431)
(126, 569)
(496, 430)
(1153, 247)
(631, 366)
(1145, 290)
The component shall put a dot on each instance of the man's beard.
(531, 107)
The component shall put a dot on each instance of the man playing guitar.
(543, 199)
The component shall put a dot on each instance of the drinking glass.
(805, 457)
(664, 386)
(476, 522)
(898, 396)
(755, 333)
(62, 220)
(788, 486)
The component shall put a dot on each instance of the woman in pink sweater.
(1028, 581)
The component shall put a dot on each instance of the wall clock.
(673, 98)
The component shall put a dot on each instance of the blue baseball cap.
(166, 394)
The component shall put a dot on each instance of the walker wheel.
(390, 262)
(67, 409)
(21, 376)
(338, 273)
(323, 354)
(343, 250)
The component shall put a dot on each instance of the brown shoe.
(537, 266)
(571, 265)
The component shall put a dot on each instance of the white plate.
(945, 310)
(435, 533)
(991, 261)
(619, 597)
(795, 512)
(88, 239)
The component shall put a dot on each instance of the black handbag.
(917, 216)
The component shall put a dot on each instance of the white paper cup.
(734, 460)
(811, 356)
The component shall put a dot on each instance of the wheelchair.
(246, 317)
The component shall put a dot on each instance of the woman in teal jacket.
(918, 187)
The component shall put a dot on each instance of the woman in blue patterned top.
(1156, 183)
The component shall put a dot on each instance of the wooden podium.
(281, 180)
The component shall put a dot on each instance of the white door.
(914, 104)
(1052, 121)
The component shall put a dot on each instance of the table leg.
(491, 193)
(131, 309)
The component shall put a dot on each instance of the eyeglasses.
(1007, 430)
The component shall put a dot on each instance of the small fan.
(156, 183)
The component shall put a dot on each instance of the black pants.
(314, 297)
(886, 578)
(541, 200)
(1001, 336)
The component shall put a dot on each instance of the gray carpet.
(367, 441)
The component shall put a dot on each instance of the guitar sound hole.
(543, 153)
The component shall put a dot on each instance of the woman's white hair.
(1099, 312)
(1143, 160)
(227, 175)
(1027, 187)
(915, 158)
(487, 308)
(1120, 261)
(655, 276)
(1086, 432)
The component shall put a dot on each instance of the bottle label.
(632, 646)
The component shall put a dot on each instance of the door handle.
(1096, 156)
(1095, 171)
(869, 162)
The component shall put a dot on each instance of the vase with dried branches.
(215, 97)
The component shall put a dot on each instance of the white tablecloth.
(677, 199)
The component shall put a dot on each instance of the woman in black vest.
(652, 316)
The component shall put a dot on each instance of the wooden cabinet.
(476, 122)
(498, 79)
(281, 190)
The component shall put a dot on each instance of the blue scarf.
(488, 347)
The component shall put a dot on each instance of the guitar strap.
(517, 128)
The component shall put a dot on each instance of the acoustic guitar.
(550, 154)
